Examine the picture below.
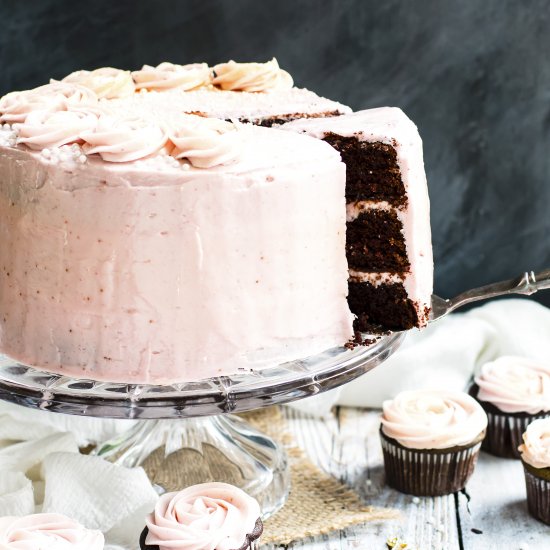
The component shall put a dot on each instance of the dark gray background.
(474, 76)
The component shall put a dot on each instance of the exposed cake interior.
(388, 246)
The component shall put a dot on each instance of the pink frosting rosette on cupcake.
(208, 516)
(515, 384)
(429, 419)
(47, 532)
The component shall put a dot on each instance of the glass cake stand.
(183, 433)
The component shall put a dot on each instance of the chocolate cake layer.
(372, 171)
(385, 305)
(375, 242)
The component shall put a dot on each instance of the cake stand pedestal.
(183, 432)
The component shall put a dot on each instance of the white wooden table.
(490, 515)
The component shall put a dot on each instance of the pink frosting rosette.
(106, 82)
(43, 129)
(208, 516)
(123, 139)
(47, 532)
(429, 419)
(535, 449)
(251, 77)
(515, 384)
(56, 96)
(169, 75)
(206, 142)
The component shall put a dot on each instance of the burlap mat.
(318, 504)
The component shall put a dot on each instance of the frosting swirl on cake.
(52, 129)
(168, 75)
(106, 82)
(47, 532)
(515, 384)
(429, 419)
(123, 139)
(56, 96)
(251, 77)
(206, 142)
(535, 449)
(209, 516)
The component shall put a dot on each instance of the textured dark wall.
(474, 76)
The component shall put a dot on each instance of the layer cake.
(143, 243)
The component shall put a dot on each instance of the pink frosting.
(430, 419)
(56, 96)
(43, 129)
(251, 77)
(122, 140)
(168, 75)
(536, 444)
(209, 516)
(207, 142)
(106, 82)
(515, 384)
(47, 532)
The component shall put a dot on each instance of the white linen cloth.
(41, 469)
(446, 354)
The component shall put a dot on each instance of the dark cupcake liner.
(252, 541)
(538, 495)
(428, 472)
(504, 430)
(504, 433)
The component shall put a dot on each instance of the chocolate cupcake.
(513, 391)
(535, 457)
(431, 441)
(208, 516)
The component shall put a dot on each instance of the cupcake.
(513, 391)
(535, 457)
(208, 516)
(47, 532)
(431, 441)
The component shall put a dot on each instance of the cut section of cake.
(261, 108)
(388, 239)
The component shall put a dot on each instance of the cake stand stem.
(178, 453)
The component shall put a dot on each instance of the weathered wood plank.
(498, 508)
(348, 447)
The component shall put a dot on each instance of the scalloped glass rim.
(283, 383)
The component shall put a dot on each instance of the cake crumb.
(395, 543)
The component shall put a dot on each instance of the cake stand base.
(179, 453)
(176, 440)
